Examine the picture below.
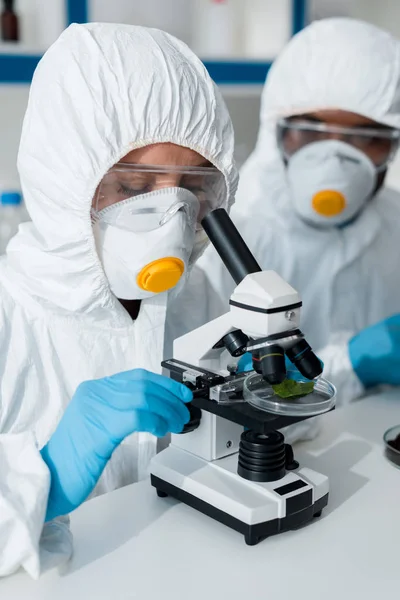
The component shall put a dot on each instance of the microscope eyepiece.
(270, 363)
(304, 359)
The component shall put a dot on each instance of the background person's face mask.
(330, 182)
(145, 242)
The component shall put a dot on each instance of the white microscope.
(231, 462)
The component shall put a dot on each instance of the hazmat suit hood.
(332, 64)
(101, 91)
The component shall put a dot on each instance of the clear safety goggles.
(125, 182)
(380, 145)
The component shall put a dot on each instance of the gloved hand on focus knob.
(100, 416)
(375, 353)
(246, 364)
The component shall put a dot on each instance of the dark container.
(9, 22)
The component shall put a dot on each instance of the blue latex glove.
(246, 364)
(375, 353)
(101, 414)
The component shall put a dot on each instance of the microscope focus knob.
(195, 418)
(262, 457)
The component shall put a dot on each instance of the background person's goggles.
(380, 145)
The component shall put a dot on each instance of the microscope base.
(256, 510)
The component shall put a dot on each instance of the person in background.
(312, 201)
(126, 144)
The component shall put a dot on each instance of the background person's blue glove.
(246, 364)
(375, 353)
(100, 416)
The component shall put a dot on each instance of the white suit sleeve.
(24, 487)
(339, 371)
(338, 368)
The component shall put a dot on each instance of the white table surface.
(131, 544)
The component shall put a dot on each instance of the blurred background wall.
(237, 39)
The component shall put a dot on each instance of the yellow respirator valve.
(161, 275)
(329, 203)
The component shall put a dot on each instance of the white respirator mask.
(330, 182)
(145, 242)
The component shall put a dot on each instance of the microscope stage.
(257, 510)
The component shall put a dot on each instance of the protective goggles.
(125, 182)
(380, 145)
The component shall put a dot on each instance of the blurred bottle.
(9, 22)
(12, 213)
(215, 28)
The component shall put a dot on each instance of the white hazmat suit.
(99, 92)
(348, 278)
